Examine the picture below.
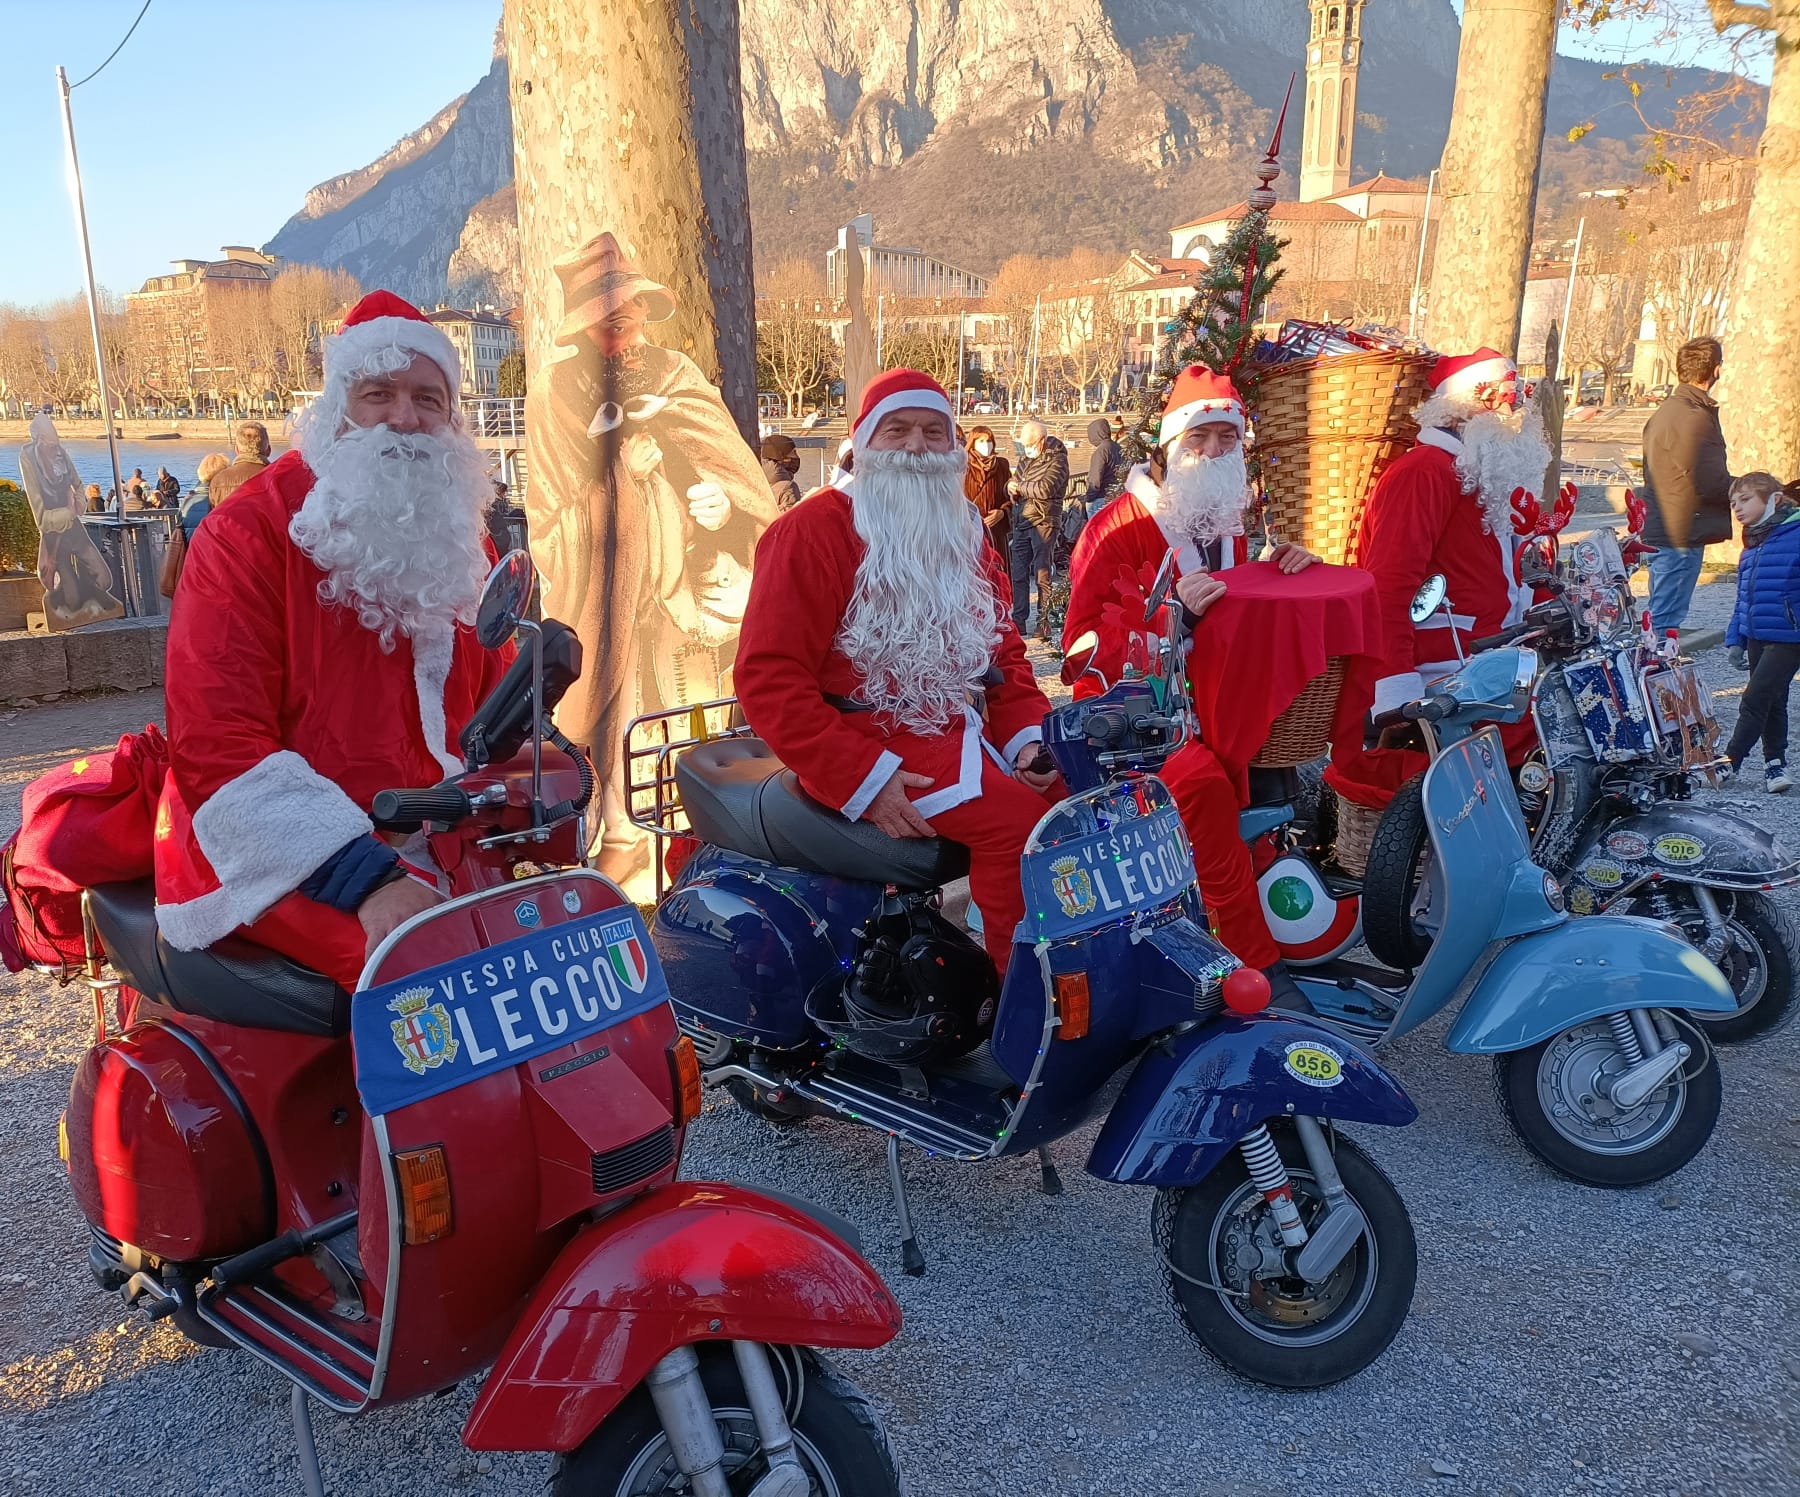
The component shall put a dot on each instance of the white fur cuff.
(871, 785)
(1018, 741)
(264, 834)
(1396, 691)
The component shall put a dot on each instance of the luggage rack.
(653, 742)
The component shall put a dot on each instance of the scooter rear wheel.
(1282, 1332)
(1548, 1097)
(1390, 893)
(837, 1435)
(1760, 963)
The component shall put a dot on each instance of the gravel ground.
(1562, 1340)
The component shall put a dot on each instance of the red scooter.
(470, 1163)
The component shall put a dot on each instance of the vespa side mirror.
(1159, 589)
(1429, 598)
(1079, 661)
(505, 599)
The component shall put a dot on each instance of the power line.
(115, 51)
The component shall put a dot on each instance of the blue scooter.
(808, 960)
(1601, 1071)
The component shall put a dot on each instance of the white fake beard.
(923, 619)
(1502, 452)
(396, 523)
(1203, 498)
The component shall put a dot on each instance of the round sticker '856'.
(1315, 1064)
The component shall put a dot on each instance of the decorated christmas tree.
(1217, 328)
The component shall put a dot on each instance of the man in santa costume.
(1444, 507)
(879, 661)
(320, 651)
(1190, 497)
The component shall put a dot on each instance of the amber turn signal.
(423, 1176)
(685, 1065)
(1072, 1005)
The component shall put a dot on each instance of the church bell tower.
(1333, 54)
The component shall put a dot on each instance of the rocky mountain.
(975, 128)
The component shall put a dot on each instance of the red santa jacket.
(788, 662)
(1419, 521)
(1122, 547)
(285, 718)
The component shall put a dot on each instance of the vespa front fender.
(1542, 984)
(1681, 842)
(1192, 1098)
(686, 1263)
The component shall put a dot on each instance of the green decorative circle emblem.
(1290, 898)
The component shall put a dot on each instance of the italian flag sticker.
(626, 954)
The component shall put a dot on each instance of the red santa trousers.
(994, 826)
(1209, 810)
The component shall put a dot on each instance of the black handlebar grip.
(259, 1259)
(1504, 637)
(1394, 717)
(1434, 708)
(408, 810)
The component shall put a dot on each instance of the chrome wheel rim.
(1287, 1312)
(1573, 1075)
(655, 1474)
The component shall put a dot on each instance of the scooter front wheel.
(837, 1435)
(1556, 1097)
(1273, 1328)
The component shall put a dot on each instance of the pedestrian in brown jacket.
(252, 458)
(985, 485)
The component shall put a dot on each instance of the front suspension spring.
(1269, 1175)
(1625, 1036)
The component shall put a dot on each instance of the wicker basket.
(1325, 430)
(1355, 835)
(1303, 731)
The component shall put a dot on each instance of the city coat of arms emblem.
(1074, 890)
(422, 1033)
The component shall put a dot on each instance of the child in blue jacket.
(1764, 634)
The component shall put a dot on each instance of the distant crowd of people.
(218, 476)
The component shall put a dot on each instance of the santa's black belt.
(977, 698)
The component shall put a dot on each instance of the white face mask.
(985, 448)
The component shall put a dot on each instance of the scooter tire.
(755, 1101)
(1516, 1082)
(1182, 1226)
(837, 1428)
(1391, 880)
(1776, 935)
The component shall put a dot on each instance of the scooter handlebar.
(1504, 637)
(1428, 709)
(408, 810)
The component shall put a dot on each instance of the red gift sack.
(88, 822)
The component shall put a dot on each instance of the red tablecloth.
(1264, 640)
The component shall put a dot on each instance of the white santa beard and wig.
(1501, 451)
(923, 620)
(396, 523)
(1203, 498)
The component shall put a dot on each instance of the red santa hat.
(1461, 376)
(898, 390)
(1197, 397)
(383, 320)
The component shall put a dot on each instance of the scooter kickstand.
(1052, 1182)
(911, 1259)
(309, 1452)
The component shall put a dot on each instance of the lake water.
(95, 466)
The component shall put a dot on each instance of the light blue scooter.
(1601, 1072)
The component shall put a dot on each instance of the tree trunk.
(1489, 176)
(1759, 392)
(646, 498)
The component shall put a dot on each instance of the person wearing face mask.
(1762, 634)
(985, 484)
(1039, 486)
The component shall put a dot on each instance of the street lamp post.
(1412, 321)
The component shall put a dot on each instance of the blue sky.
(218, 115)
(212, 123)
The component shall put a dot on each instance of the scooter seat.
(1274, 787)
(738, 795)
(235, 981)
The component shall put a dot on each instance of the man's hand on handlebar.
(893, 813)
(1026, 772)
(391, 906)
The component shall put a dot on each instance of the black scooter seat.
(235, 981)
(739, 796)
